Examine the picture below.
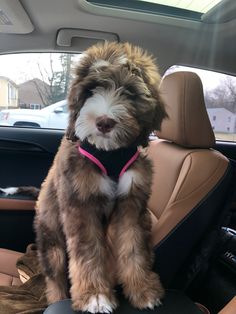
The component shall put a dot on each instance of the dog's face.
(113, 104)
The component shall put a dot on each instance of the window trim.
(148, 7)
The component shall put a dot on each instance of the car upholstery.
(190, 180)
(8, 273)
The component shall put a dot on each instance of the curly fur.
(83, 216)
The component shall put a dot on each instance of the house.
(8, 93)
(222, 120)
(33, 94)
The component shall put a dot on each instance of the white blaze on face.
(101, 103)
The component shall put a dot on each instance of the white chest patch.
(122, 188)
(125, 183)
(108, 187)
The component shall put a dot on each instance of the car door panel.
(25, 157)
(16, 229)
(7, 203)
(227, 148)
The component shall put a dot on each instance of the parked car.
(54, 116)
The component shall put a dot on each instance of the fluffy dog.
(92, 205)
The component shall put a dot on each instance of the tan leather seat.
(191, 179)
(8, 272)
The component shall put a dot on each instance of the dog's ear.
(159, 113)
(80, 90)
(70, 131)
(73, 106)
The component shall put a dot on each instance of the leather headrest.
(188, 124)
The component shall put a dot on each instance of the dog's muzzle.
(105, 124)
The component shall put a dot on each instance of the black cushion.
(175, 302)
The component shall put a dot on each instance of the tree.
(223, 96)
(60, 80)
(57, 76)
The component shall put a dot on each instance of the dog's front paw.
(149, 293)
(97, 304)
(146, 300)
(151, 304)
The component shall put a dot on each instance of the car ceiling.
(209, 44)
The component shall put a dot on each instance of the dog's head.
(114, 100)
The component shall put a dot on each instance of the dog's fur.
(86, 217)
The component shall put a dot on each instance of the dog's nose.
(105, 124)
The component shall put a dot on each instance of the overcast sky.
(26, 66)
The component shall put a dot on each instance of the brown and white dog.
(92, 205)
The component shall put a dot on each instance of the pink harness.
(101, 166)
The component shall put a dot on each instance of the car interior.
(193, 200)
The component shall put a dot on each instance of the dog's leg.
(91, 289)
(51, 243)
(52, 256)
(130, 232)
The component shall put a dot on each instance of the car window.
(65, 108)
(33, 89)
(188, 9)
(220, 98)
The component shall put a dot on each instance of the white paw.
(151, 305)
(9, 191)
(99, 304)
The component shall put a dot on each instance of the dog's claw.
(152, 305)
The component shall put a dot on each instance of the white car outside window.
(54, 116)
(33, 88)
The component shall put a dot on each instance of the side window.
(65, 109)
(32, 86)
(220, 98)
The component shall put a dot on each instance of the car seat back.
(191, 179)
